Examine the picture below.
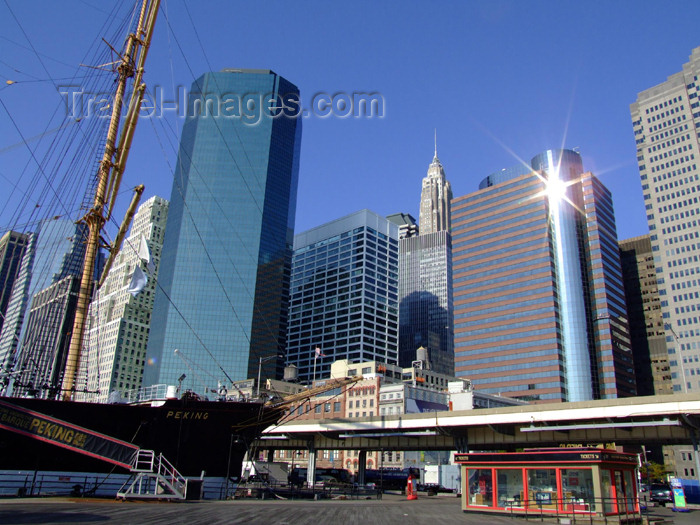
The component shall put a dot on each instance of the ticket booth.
(557, 481)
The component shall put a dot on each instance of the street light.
(262, 360)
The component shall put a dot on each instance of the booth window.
(542, 487)
(608, 492)
(480, 487)
(509, 484)
(624, 491)
(577, 489)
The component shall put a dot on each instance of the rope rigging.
(82, 159)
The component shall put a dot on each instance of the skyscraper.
(42, 361)
(12, 246)
(119, 323)
(426, 309)
(666, 123)
(646, 321)
(344, 294)
(435, 199)
(223, 295)
(539, 300)
(426, 313)
(54, 251)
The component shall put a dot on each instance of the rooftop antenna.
(436, 143)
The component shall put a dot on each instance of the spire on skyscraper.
(435, 157)
(435, 198)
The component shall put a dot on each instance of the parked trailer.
(391, 479)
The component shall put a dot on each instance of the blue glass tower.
(223, 290)
(565, 166)
(344, 294)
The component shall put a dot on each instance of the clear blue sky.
(497, 79)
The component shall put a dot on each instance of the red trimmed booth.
(588, 481)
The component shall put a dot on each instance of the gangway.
(153, 477)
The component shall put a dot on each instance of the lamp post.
(262, 360)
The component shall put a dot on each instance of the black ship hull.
(194, 435)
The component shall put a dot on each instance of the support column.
(362, 466)
(461, 444)
(270, 455)
(311, 467)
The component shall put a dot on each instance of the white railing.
(153, 476)
(148, 393)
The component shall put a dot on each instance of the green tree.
(652, 472)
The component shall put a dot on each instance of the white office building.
(666, 121)
(119, 322)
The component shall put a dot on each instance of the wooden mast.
(109, 178)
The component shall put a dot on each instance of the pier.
(392, 509)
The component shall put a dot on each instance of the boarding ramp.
(152, 476)
(49, 429)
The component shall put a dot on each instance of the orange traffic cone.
(410, 491)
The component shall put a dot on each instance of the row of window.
(667, 123)
(664, 104)
(665, 134)
(679, 227)
(670, 153)
(364, 403)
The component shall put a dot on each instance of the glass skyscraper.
(666, 123)
(344, 297)
(539, 301)
(425, 300)
(224, 276)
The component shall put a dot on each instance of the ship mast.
(109, 177)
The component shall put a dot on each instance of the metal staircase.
(153, 477)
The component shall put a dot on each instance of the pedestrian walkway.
(392, 509)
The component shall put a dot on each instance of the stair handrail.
(170, 473)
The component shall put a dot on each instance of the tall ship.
(56, 432)
(197, 436)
